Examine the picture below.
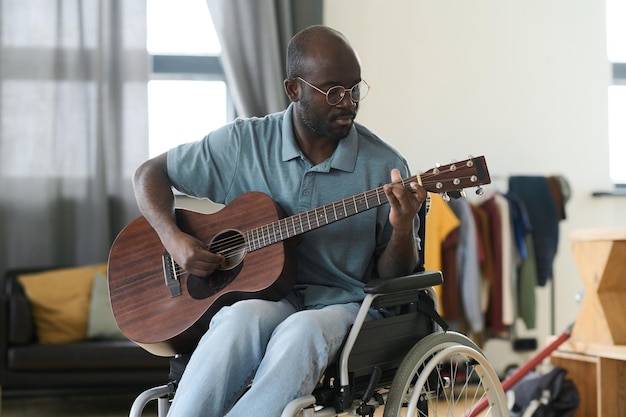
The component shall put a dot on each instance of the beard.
(322, 126)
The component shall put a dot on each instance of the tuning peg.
(479, 190)
(445, 197)
(462, 194)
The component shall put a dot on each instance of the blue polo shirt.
(261, 154)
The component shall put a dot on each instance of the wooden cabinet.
(599, 373)
(595, 355)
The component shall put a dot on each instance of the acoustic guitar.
(167, 310)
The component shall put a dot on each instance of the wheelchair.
(408, 363)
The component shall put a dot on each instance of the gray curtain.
(73, 127)
(254, 35)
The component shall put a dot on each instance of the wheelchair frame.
(413, 360)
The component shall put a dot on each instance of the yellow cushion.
(60, 302)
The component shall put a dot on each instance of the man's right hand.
(153, 190)
(192, 255)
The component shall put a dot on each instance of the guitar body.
(145, 310)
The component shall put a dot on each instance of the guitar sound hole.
(230, 243)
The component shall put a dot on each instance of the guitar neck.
(441, 179)
(297, 224)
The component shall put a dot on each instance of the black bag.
(544, 395)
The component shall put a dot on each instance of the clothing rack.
(533, 197)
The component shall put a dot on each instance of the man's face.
(333, 122)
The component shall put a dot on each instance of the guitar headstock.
(453, 178)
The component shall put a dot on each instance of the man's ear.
(292, 88)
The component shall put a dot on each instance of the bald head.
(311, 45)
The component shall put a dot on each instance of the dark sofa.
(91, 366)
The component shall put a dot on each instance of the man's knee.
(316, 327)
(253, 313)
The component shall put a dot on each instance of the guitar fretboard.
(288, 227)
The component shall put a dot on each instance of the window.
(187, 93)
(616, 52)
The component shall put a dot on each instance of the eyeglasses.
(335, 94)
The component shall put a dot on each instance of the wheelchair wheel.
(445, 374)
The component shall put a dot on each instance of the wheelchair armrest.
(417, 281)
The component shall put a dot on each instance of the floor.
(83, 406)
(108, 406)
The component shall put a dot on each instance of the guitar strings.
(276, 231)
(279, 230)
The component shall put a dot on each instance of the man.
(307, 156)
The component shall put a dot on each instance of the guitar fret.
(259, 238)
(249, 248)
(300, 222)
(375, 198)
(252, 238)
(277, 226)
(248, 237)
(268, 235)
(255, 238)
(285, 228)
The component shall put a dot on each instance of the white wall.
(523, 83)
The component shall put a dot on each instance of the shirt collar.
(344, 157)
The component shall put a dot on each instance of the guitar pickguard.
(204, 287)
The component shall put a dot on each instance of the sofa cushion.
(101, 324)
(60, 302)
(88, 355)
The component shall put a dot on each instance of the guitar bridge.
(171, 275)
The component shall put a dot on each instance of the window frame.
(619, 78)
(192, 68)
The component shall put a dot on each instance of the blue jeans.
(283, 348)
